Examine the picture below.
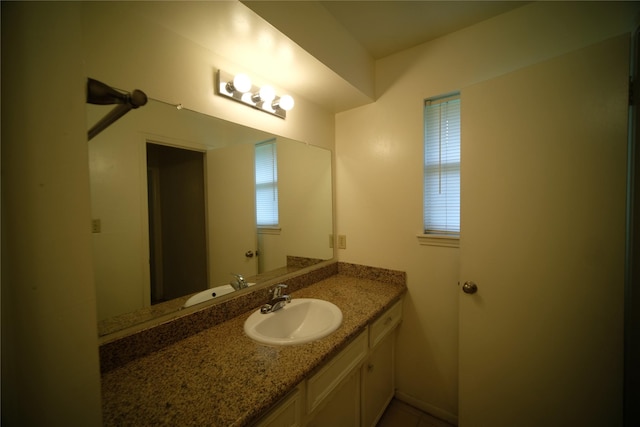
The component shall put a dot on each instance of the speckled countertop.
(220, 377)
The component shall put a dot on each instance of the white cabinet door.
(543, 238)
(342, 407)
(378, 381)
(321, 385)
(286, 414)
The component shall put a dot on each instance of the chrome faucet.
(277, 301)
(239, 282)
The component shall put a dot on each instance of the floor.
(399, 414)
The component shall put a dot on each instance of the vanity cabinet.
(351, 390)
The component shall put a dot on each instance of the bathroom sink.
(302, 320)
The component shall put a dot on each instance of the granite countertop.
(220, 377)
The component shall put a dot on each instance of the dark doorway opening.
(177, 222)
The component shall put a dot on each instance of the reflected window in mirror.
(267, 184)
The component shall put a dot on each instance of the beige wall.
(49, 337)
(379, 170)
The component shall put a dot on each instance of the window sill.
(439, 240)
(269, 230)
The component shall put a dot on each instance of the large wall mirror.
(173, 196)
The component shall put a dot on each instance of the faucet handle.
(239, 283)
(277, 290)
(240, 278)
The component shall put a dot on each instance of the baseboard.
(425, 407)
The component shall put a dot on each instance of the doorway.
(177, 222)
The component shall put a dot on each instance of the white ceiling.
(387, 27)
(348, 37)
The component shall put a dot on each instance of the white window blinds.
(266, 184)
(442, 165)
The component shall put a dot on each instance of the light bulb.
(242, 83)
(286, 102)
(267, 94)
(247, 99)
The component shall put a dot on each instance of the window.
(442, 166)
(266, 184)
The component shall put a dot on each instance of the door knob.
(469, 288)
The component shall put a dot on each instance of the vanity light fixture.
(241, 89)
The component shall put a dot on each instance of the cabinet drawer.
(381, 327)
(323, 383)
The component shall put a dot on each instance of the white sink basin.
(300, 321)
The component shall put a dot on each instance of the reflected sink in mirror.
(209, 294)
(301, 321)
